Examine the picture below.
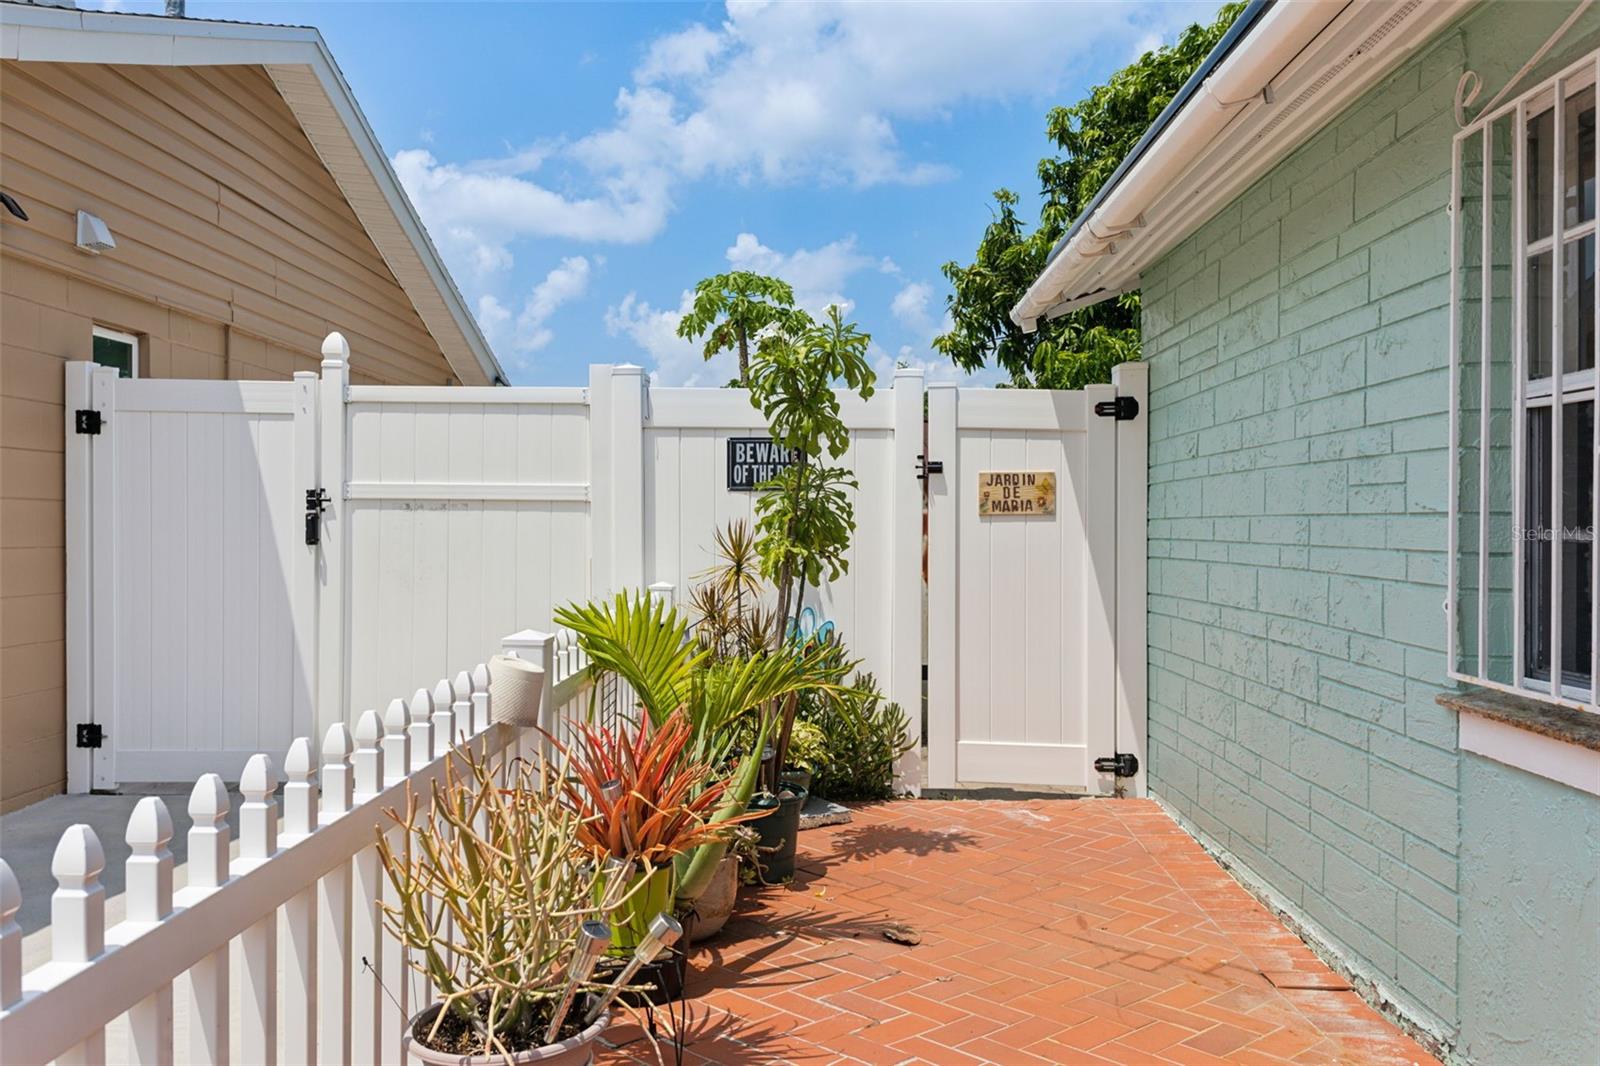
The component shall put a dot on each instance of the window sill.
(1558, 743)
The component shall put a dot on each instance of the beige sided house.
(203, 200)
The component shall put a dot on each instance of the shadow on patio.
(1051, 932)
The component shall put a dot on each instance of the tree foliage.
(737, 309)
(1093, 135)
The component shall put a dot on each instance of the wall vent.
(1372, 40)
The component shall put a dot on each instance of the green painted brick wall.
(1298, 423)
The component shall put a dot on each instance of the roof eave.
(65, 35)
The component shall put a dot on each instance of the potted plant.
(496, 903)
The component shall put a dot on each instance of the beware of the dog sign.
(1017, 492)
(752, 460)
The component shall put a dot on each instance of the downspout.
(1240, 79)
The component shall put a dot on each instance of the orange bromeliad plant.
(643, 801)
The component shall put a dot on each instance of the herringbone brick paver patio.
(1064, 931)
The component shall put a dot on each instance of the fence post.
(444, 718)
(905, 579)
(205, 987)
(297, 932)
(661, 592)
(421, 729)
(333, 912)
(366, 929)
(10, 937)
(943, 526)
(461, 707)
(149, 899)
(628, 384)
(331, 617)
(257, 954)
(78, 919)
(1132, 487)
(396, 978)
(306, 564)
(480, 698)
(538, 648)
(602, 489)
(103, 583)
(79, 536)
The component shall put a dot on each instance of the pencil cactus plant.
(492, 891)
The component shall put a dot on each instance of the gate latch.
(87, 421)
(316, 503)
(90, 735)
(926, 466)
(1122, 764)
(1123, 408)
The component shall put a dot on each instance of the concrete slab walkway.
(1052, 931)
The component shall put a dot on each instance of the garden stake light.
(617, 872)
(664, 932)
(594, 938)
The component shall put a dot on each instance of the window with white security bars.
(1522, 564)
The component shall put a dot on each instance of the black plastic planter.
(777, 831)
(661, 980)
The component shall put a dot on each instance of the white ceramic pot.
(711, 910)
(515, 688)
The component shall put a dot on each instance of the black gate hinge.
(90, 735)
(316, 503)
(1123, 408)
(926, 466)
(87, 421)
(1122, 764)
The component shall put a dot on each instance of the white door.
(191, 586)
(1023, 679)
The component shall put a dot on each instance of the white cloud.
(566, 282)
(818, 275)
(478, 209)
(671, 359)
(910, 307)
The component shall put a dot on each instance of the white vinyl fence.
(203, 627)
(285, 937)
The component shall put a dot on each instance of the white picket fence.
(314, 975)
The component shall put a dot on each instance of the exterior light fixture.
(94, 236)
(594, 938)
(664, 932)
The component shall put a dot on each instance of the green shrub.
(864, 736)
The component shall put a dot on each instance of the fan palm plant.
(645, 644)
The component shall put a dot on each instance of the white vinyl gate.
(203, 627)
(1036, 623)
(190, 589)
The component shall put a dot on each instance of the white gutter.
(1277, 37)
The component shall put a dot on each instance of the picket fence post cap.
(369, 729)
(394, 719)
(421, 705)
(336, 746)
(208, 801)
(297, 765)
(480, 678)
(10, 893)
(908, 372)
(257, 780)
(79, 858)
(335, 349)
(149, 826)
(443, 695)
(463, 686)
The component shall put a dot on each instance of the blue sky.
(580, 166)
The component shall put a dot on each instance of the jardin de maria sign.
(752, 460)
(1018, 492)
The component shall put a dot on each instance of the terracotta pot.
(709, 912)
(574, 1051)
